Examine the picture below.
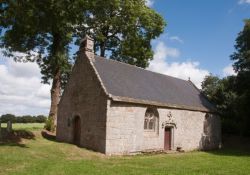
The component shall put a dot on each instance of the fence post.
(0, 131)
(9, 126)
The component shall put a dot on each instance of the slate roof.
(129, 83)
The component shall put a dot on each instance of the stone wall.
(125, 129)
(83, 97)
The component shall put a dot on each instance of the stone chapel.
(115, 108)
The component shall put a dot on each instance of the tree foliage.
(222, 93)
(42, 31)
(124, 29)
(232, 94)
(242, 53)
(242, 60)
(23, 119)
(242, 66)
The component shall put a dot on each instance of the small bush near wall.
(49, 125)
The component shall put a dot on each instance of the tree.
(242, 59)
(222, 93)
(41, 119)
(23, 119)
(210, 86)
(242, 66)
(124, 28)
(242, 54)
(7, 117)
(44, 30)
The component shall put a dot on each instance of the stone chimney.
(87, 46)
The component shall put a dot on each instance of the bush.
(28, 119)
(49, 125)
(8, 117)
(22, 119)
(41, 119)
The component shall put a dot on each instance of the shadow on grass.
(14, 138)
(234, 146)
(52, 137)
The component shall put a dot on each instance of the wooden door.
(77, 130)
(167, 139)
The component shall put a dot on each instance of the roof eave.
(155, 103)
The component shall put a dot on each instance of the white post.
(9, 126)
(0, 131)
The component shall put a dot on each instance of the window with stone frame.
(151, 119)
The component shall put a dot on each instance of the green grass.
(25, 126)
(42, 156)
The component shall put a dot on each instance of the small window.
(151, 119)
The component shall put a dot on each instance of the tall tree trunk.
(55, 97)
(57, 52)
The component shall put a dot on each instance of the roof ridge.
(108, 59)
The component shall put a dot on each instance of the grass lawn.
(25, 126)
(41, 156)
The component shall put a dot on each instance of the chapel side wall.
(125, 129)
(189, 132)
(189, 128)
(83, 97)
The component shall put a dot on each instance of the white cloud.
(244, 1)
(228, 70)
(176, 38)
(182, 70)
(162, 51)
(21, 91)
(23, 69)
(149, 3)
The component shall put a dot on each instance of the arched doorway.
(77, 130)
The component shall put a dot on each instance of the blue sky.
(198, 40)
(208, 29)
